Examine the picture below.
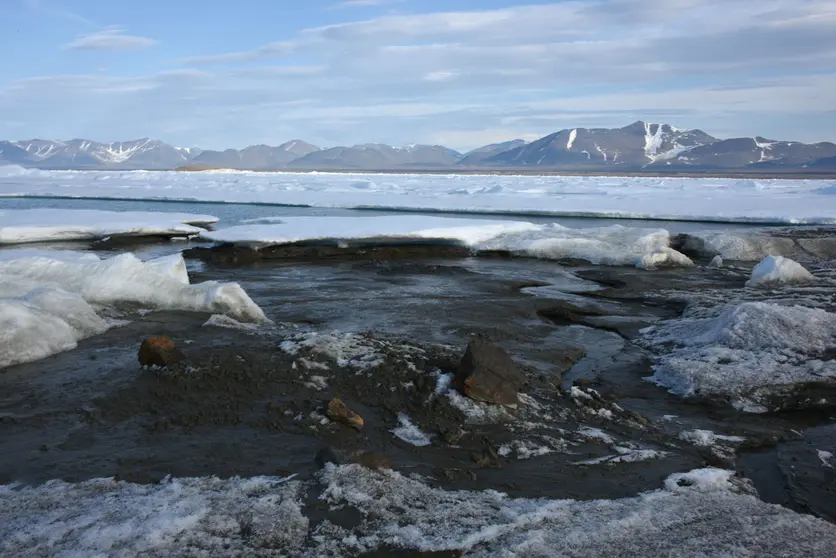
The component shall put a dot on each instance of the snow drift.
(50, 303)
(749, 355)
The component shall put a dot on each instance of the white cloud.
(112, 39)
(467, 78)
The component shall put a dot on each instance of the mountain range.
(638, 147)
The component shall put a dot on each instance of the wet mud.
(254, 402)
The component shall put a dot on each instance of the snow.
(707, 438)
(50, 303)
(747, 353)
(410, 433)
(708, 199)
(572, 137)
(705, 512)
(775, 270)
(38, 225)
(625, 455)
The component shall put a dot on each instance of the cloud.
(112, 39)
(277, 49)
(459, 76)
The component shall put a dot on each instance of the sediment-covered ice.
(468, 232)
(706, 512)
(777, 270)
(614, 245)
(746, 355)
(19, 226)
(696, 199)
(50, 303)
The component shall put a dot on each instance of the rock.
(159, 351)
(374, 461)
(327, 455)
(486, 373)
(339, 412)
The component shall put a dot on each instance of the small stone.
(159, 351)
(339, 412)
(486, 373)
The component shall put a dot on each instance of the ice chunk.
(750, 351)
(410, 433)
(44, 322)
(49, 304)
(467, 232)
(19, 226)
(775, 270)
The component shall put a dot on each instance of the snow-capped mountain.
(636, 145)
(639, 146)
(80, 153)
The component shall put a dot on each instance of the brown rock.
(486, 373)
(339, 412)
(159, 351)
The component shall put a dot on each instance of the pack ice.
(50, 300)
(18, 226)
(670, 198)
(613, 245)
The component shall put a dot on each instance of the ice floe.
(777, 270)
(19, 226)
(705, 512)
(50, 303)
(749, 354)
(468, 232)
(670, 198)
(613, 245)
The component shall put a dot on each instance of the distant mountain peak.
(640, 145)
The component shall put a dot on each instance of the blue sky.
(462, 73)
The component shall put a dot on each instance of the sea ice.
(18, 226)
(668, 198)
(776, 270)
(747, 353)
(50, 303)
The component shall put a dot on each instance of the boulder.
(486, 373)
(159, 351)
(339, 412)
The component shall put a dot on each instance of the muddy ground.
(252, 402)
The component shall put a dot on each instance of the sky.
(461, 73)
